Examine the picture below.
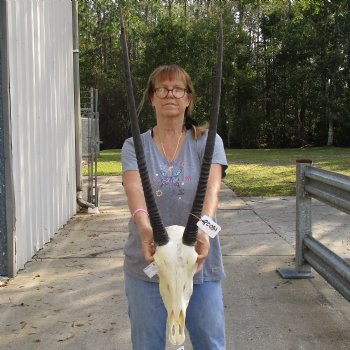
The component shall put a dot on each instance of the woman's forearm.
(137, 203)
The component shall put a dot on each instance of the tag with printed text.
(151, 270)
(210, 227)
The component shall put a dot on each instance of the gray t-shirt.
(174, 189)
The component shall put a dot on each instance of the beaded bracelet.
(137, 211)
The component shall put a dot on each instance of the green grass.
(109, 163)
(271, 172)
(258, 172)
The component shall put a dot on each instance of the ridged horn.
(190, 234)
(160, 235)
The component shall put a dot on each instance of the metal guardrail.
(334, 190)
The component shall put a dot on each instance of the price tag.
(151, 270)
(210, 227)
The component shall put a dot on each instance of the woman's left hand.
(202, 248)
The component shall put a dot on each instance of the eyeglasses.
(163, 92)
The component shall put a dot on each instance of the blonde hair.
(170, 72)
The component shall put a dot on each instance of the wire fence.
(90, 140)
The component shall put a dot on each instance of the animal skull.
(177, 265)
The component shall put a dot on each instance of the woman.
(174, 149)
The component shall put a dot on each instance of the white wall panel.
(42, 117)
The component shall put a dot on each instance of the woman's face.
(170, 106)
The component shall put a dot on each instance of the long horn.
(190, 234)
(160, 235)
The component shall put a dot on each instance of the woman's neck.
(168, 129)
(169, 140)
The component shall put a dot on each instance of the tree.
(286, 65)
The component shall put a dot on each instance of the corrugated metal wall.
(42, 117)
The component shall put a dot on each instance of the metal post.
(303, 225)
(97, 116)
(3, 226)
(77, 113)
(96, 147)
(7, 196)
(303, 216)
(90, 140)
(78, 143)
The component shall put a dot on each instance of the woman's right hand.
(146, 233)
(148, 248)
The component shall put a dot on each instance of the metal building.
(38, 183)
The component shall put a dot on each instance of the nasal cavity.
(177, 325)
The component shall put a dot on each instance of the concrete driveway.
(70, 296)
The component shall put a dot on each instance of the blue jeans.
(204, 317)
